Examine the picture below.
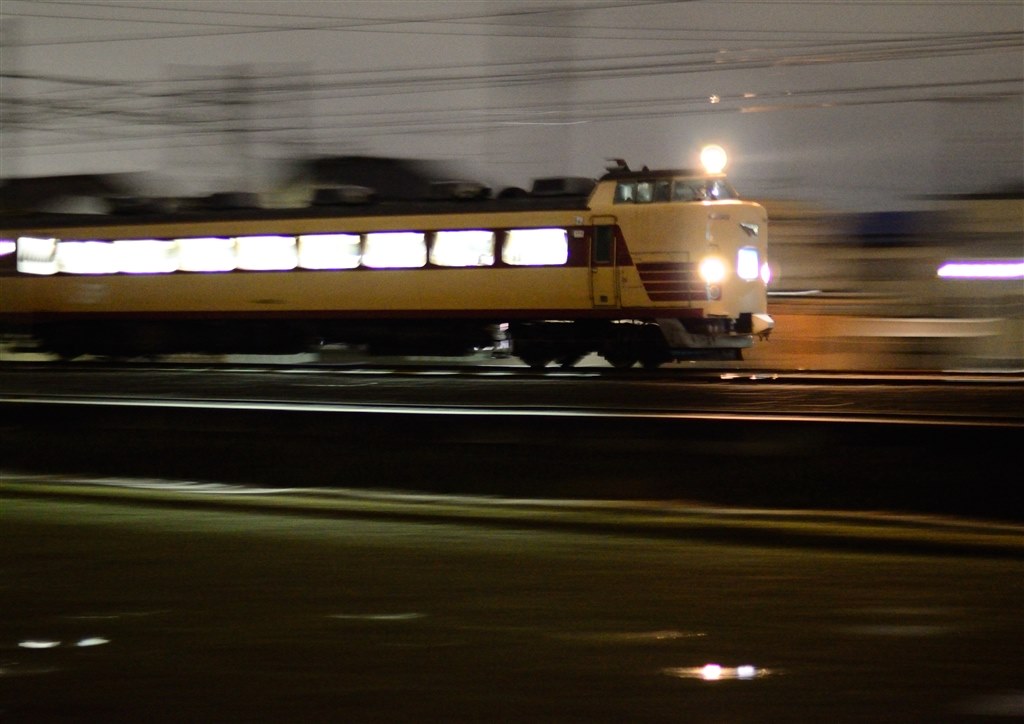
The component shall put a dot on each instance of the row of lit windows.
(377, 250)
(645, 192)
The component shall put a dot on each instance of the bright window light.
(146, 256)
(536, 247)
(395, 250)
(86, 257)
(329, 251)
(982, 270)
(266, 253)
(463, 248)
(37, 256)
(8, 246)
(206, 254)
(747, 264)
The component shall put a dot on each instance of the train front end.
(697, 258)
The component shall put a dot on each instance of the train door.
(604, 278)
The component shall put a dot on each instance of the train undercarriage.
(538, 343)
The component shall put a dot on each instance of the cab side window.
(604, 244)
(625, 192)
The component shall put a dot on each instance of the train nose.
(761, 325)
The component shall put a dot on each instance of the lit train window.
(625, 192)
(463, 248)
(395, 250)
(8, 246)
(206, 254)
(536, 247)
(642, 192)
(684, 191)
(701, 190)
(146, 256)
(37, 256)
(329, 251)
(721, 190)
(266, 253)
(86, 257)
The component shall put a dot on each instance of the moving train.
(639, 266)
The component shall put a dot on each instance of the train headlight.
(711, 270)
(713, 158)
(747, 264)
(766, 274)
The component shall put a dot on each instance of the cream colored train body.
(647, 267)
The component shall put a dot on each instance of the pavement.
(856, 531)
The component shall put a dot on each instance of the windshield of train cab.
(661, 190)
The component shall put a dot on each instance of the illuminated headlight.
(711, 270)
(766, 274)
(747, 264)
(713, 158)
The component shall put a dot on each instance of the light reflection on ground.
(717, 672)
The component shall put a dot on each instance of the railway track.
(928, 444)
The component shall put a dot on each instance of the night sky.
(859, 105)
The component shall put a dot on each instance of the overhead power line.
(606, 67)
(500, 24)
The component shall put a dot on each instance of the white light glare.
(982, 270)
(48, 644)
(717, 672)
(536, 247)
(267, 253)
(86, 257)
(329, 251)
(395, 250)
(711, 672)
(39, 644)
(747, 264)
(146, 256)
(37, 256)
(713, 158)
(206, 254)
(463, 248)
(711, 270)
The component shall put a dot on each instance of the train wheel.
(568, 361)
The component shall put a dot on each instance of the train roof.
(144, 216)
(646, 174)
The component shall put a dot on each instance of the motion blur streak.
(982, 270)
